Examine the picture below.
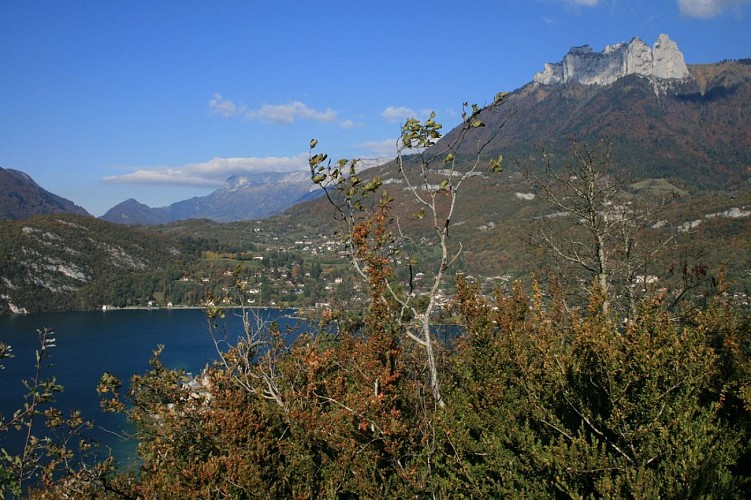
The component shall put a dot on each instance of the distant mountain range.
(21, 197)
(241, 198)
(689, 134)
(688, 124)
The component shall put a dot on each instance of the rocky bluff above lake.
(587, 67)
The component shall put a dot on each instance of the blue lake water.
(118, 341)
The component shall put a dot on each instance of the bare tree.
(599, 227)
(251, 361)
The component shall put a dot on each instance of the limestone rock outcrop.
(587, 67)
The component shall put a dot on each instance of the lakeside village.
(305, 273)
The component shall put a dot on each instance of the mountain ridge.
(21, 197)
(694, 132)
(581, 64)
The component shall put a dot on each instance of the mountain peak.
(583, 65)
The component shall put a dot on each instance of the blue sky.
(105, 100)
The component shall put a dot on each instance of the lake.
(118, 341)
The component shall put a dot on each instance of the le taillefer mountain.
(240, 198)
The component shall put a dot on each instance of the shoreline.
(153, 308)
(162, 308)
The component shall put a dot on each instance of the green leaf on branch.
(316, 160)
(500, 97)
(372, 185)
(496, 164)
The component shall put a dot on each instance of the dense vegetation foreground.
(537, 402)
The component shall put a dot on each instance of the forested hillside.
(68, 262)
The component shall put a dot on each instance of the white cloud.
(349, 124)
(283, 114)
(212, 173)
(397, 113)
(400, 113)
(224, 107)
(288, 113)
(380, 149)
(705, 9)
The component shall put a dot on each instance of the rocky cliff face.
(587, 67)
